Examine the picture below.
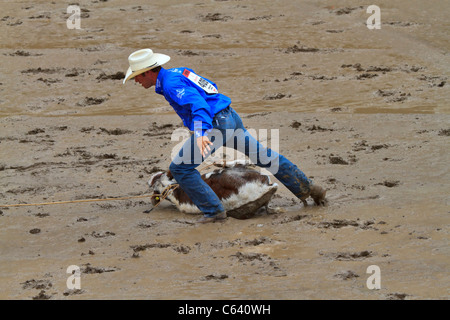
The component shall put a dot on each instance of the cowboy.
(214, 123)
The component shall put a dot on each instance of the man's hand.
(203, 144)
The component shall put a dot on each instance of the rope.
(164, 195)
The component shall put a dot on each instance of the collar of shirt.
(159, 81)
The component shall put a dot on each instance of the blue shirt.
(193, 104)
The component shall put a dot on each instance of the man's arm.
(188, 97)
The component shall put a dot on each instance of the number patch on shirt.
(199, 81)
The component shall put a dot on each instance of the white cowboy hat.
(142, 61)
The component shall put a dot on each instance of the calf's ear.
(169, 174)
(154, 178)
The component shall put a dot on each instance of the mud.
(364, 113)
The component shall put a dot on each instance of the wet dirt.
(364, 113)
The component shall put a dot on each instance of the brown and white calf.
(242, 190)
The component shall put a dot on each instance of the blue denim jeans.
(228, 130)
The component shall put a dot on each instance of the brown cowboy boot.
(218, 217)
(318, 195)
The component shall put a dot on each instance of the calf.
(241, 189)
